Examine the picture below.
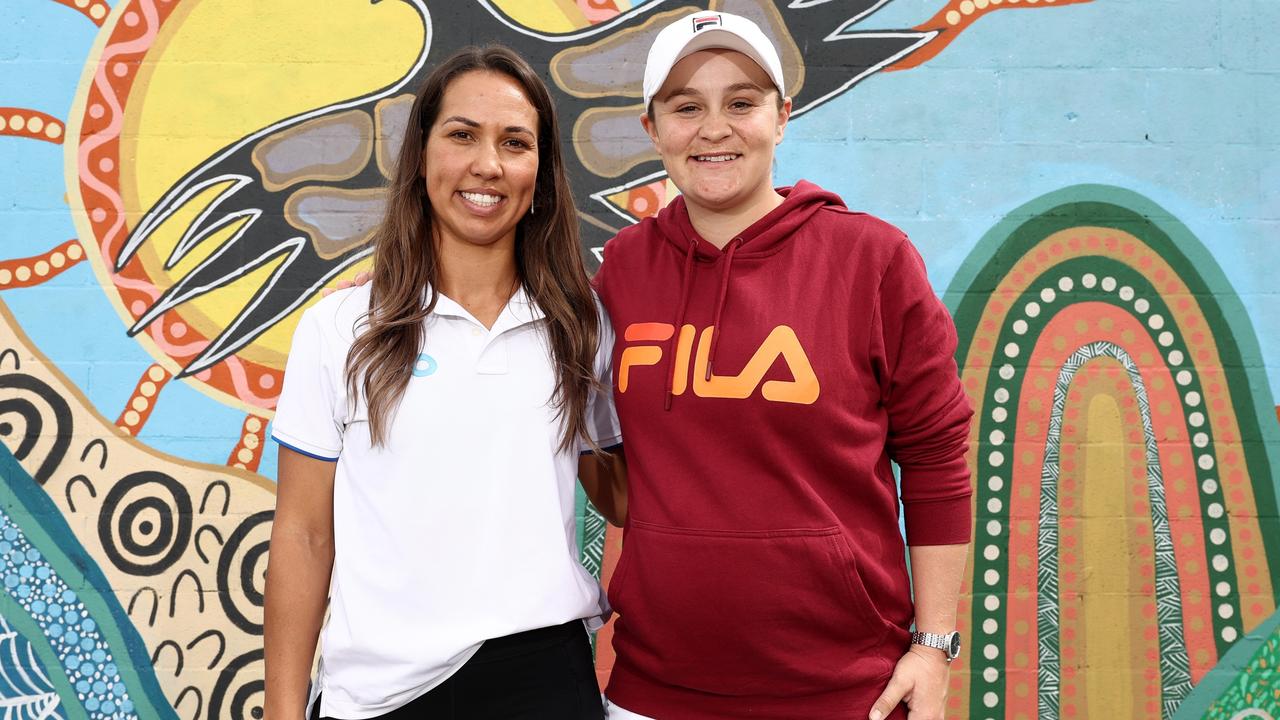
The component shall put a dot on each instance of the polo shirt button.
(475, 332)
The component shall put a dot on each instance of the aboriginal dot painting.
(1093, 186)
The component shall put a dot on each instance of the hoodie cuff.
(944, 521)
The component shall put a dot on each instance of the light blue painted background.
(1175, 100)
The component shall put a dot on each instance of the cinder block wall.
(1094, 186)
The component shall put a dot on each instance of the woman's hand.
(361, 278)
(919, 680)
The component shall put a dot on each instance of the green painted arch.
(1127, 211)
(1175, 677)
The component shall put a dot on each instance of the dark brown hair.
(406, 266)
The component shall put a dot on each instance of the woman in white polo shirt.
(431, 426)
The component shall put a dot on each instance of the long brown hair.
(406, 267)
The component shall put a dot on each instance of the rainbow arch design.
(1115, 377)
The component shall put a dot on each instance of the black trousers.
(544, 674)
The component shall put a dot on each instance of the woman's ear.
(784, 114)
(649, 126)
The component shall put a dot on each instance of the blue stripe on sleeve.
(304, 452)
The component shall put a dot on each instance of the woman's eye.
(518, 144)
(460, 134)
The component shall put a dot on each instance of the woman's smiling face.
(480, 163)
(715, 123)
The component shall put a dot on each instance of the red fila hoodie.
(763, 391)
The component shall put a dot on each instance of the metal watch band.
(948, 643)
(933, 640)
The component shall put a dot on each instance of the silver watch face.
(953, 645)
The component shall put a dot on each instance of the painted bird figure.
(308, 187)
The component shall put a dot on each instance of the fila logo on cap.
(702, 22)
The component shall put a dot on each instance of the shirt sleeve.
(928, 410)
(309, 415)
(602, 418)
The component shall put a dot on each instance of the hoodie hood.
(764, 237)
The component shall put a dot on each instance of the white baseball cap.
(702, 31)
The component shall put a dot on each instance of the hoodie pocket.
(745, 613)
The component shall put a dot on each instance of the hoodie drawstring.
(686, 284)
(724, 293)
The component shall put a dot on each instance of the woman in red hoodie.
(776, 351)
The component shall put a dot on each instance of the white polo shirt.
(461, 527)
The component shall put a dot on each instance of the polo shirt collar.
(446, 305)
(520, 310)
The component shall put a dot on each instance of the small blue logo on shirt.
(425, 365)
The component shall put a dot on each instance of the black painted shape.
(175, 529)
(216, 534)
(832, 64)
(243, 574)
(199, 699)
(155, 656)
(79, 480)
(173, 592)
(222, 645)
(240, 698)
(155, 604)
(101, 445)
(33, 417)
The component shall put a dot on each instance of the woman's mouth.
(717, 157)
(485, 199)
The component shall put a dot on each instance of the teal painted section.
(1165, 111)
(52, 586)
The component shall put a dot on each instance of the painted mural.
(179, 179)
(1124, 474)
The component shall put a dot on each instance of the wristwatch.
(948, 643)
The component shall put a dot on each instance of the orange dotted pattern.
(1189, 318)
(248, 451)
(1081, 324)
(143, 399)
(1257, 601)
(93, 9)
(242, 380)
(956, 17)
(1022, 636)
(1071, 481)
(33, 124)
(1178, 474)
(25, 272)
